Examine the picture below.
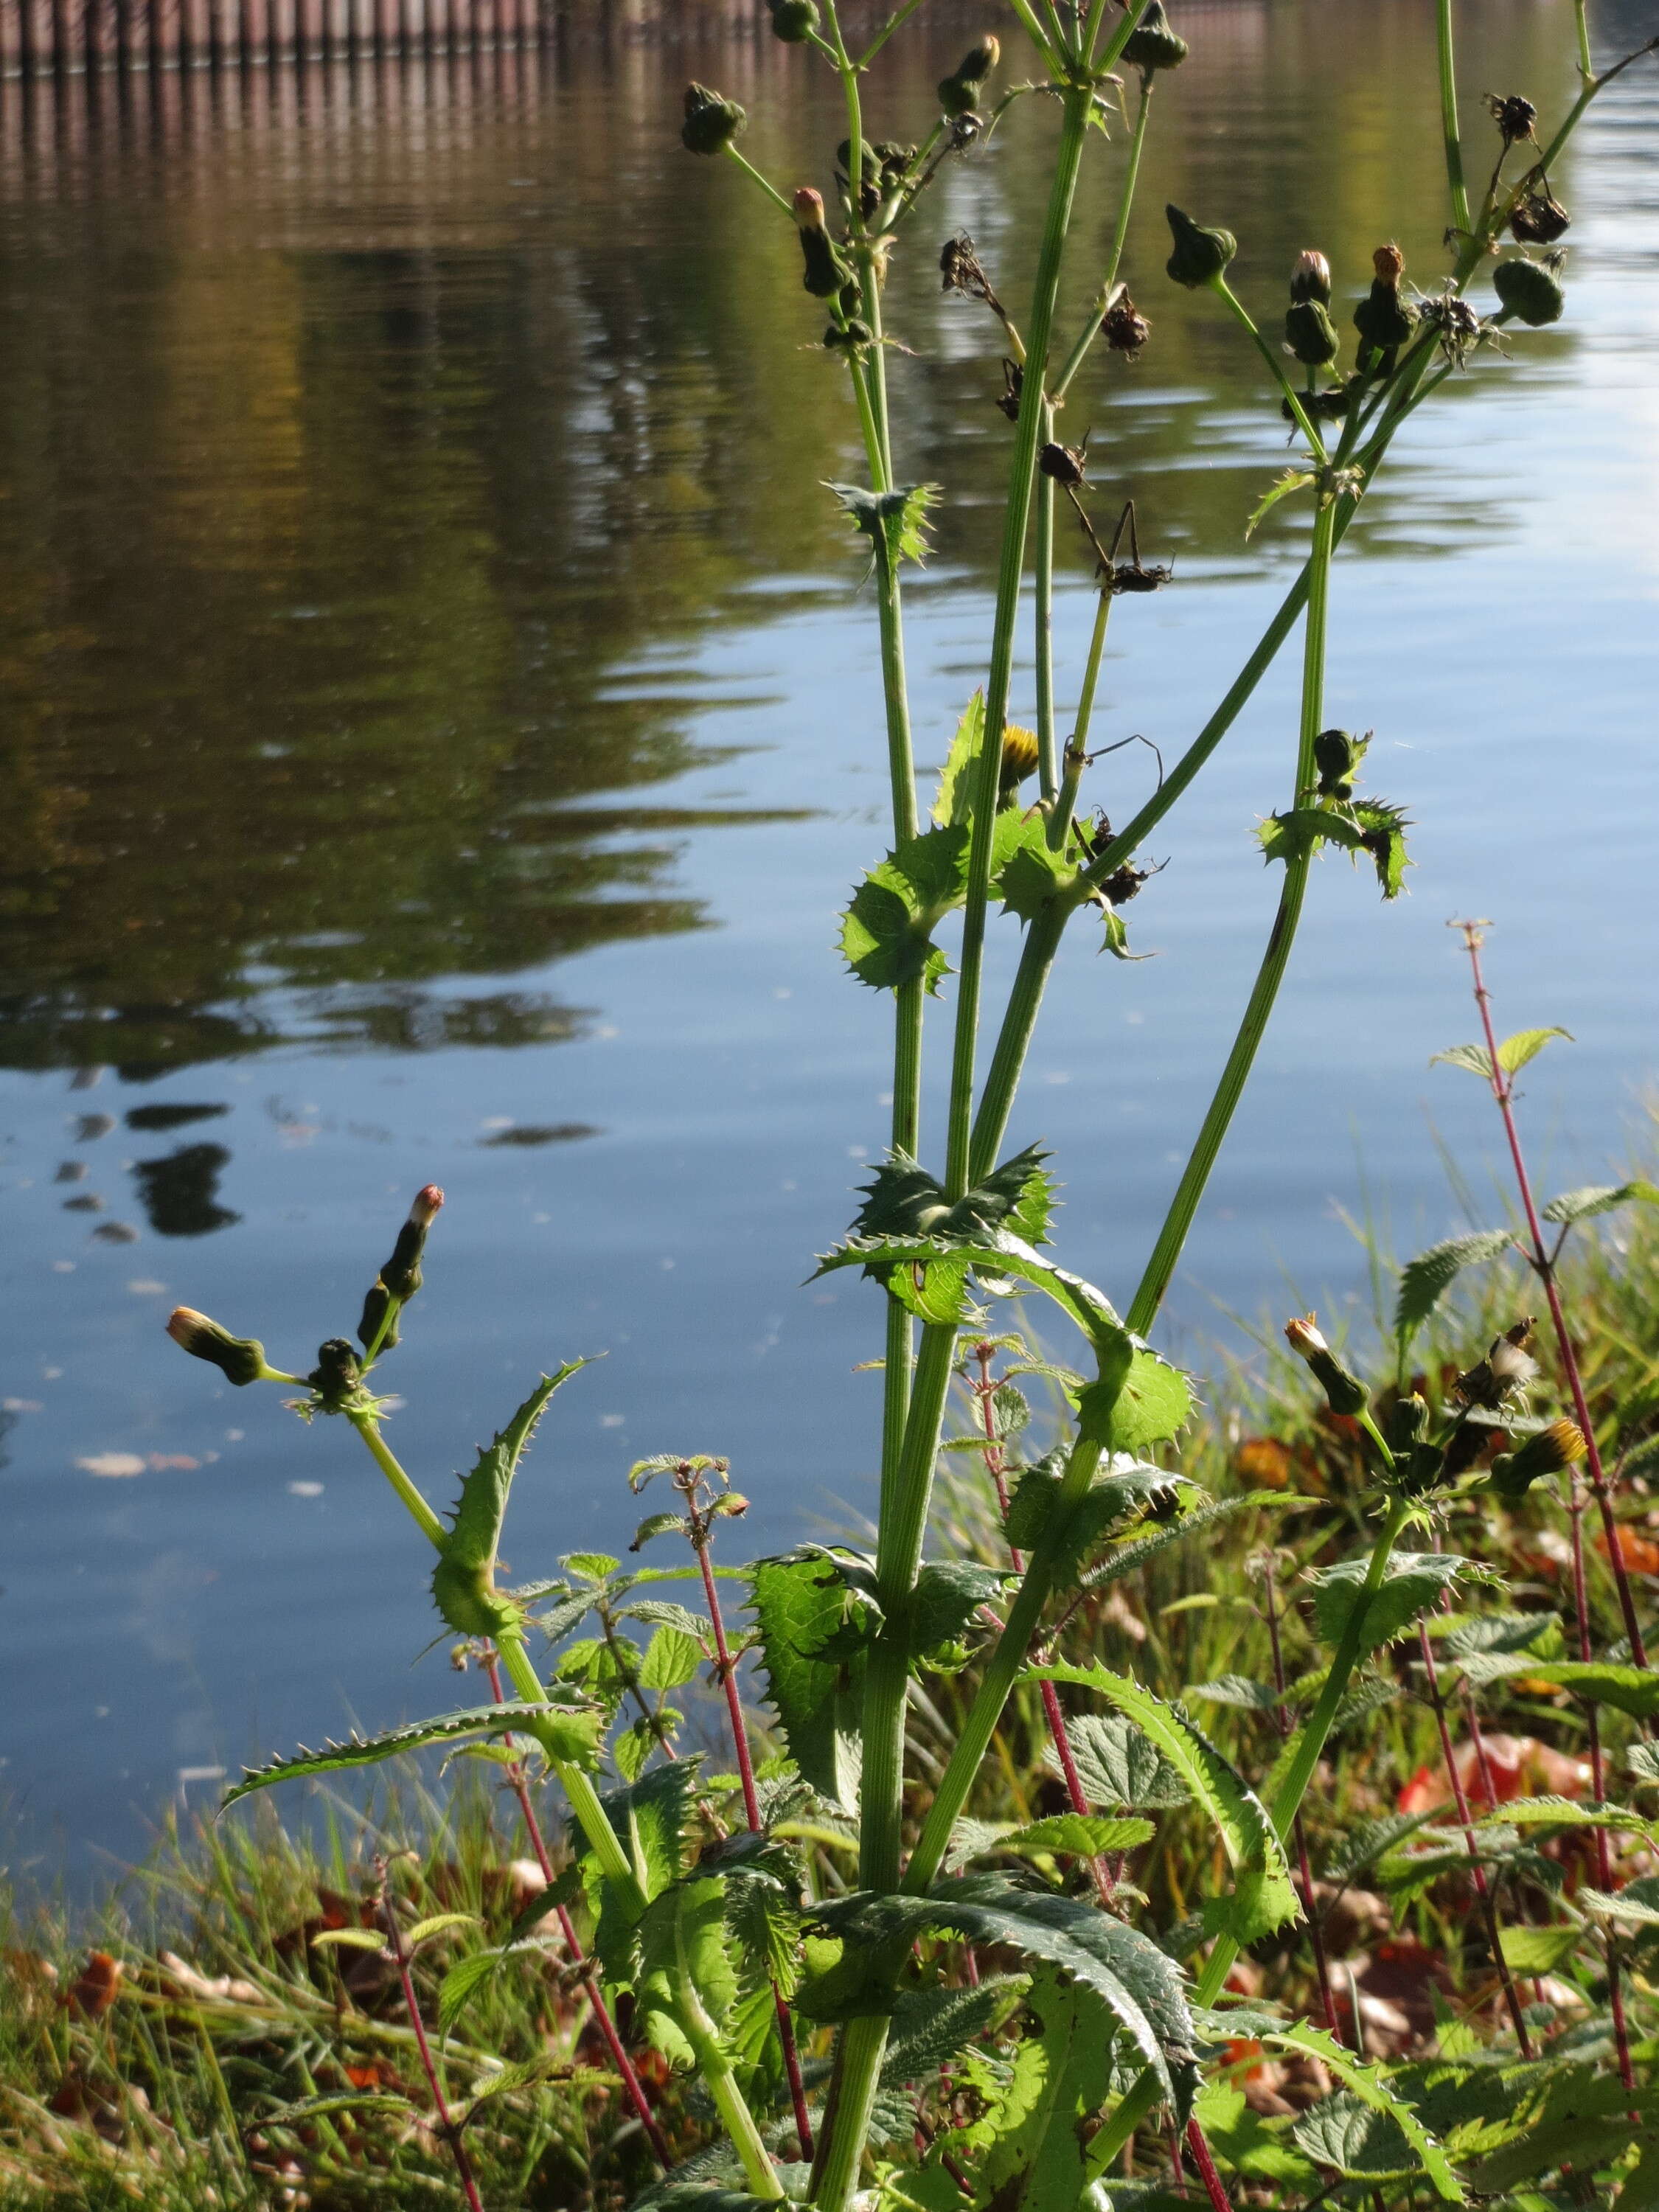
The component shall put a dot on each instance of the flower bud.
(710, 121)
(1528, 290)
(1384, 320)
(856, 333)
(240, 1360)
(400, 1277)
(1310, 334)
(1200, 255)
(1538, 219)
(1337, 755)
(1344, 1394)
(1551, 1452)
(1125, 329)
(1064, 464)
(1154, 43)
(1310, 279)
(1019, 760)
(338, 1371)
(1407, 1422)
(959, 93)
(824, 272)
(794, 21)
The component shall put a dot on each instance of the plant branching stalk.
(1449, 124)
(447, 2127)
(1043, 609)
(419, 1511)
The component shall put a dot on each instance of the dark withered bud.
(1329, 405)
(1200, 255)
(338, 1371)
(870, 165)
(1013, 385)
(1538, 219)
(825, 272)
(1336, 756)
(1310, 279)
(1551, 1452)
(1124, 328)
(240, 1360)
(794, 21)
(1507, 1369)
(1528, 291)
(1310, 334)
(1514, 115)
(1344, 1394)
(894, 158)
(1019, 760)
(710, 121)
(1067, 464)
(400, 1277)
(1124, 884)
(1154, 44)
(1384, 320)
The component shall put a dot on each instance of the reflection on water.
(439, 724)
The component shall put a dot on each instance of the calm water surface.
(441, 720)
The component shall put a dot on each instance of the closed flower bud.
(1310, 279)
(1384, 320)
(1529, 291)
(794, 21)
(240, 1360)
(1019, 760)
(825, 272)
(400, 1277)
(1310, 334)
(959, 93)
(977, 63)
(1407, 1422)
(338, 1371)
(1337, 755)
(1538, 219)
(856, 333)
(1200, 255)
(710, 121)
(1344, 1394)
(1551, 1452)
(1154, 43)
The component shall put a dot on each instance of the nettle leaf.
(1600, 1198)
(544, 2073)
(1243, 2139)
(1370, 1841)
(816, 1612)
(1413, 1581)
(930, 2026)
(886, 935)
(1371, 2086)
(1077, 1836)
(1134, 1555)
(893, 521)
(1137, 1983)
(1632, 1690)
(1119, 1766)
(463, 1581)
(1513, 1054)
(765, 1923)
(1464, 1634)
(1345, 2134)
(683, 1936)
(577, 1731)
(954, 800)
(1424, 1280)
(1539, 1950)
(658, 1611)
(319, 2108)
(659, 1524)
(948, 1595)
(1262, 1898)
(671, 1657)
(1026, 2149)
(1237, 1690)
(1636, 1903)
(932, 1271)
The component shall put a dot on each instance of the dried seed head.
(338, 1371)
(1020, 759)
(1514, 115)
(1310, 334)
(1125, 884)
(1538, 219)
(1507, 1369)
(1067, 464)
(240, 1360)
(962, 271)
(1154, 43)
(1389, 264)
(711, 121)
(1199, 256)
(1310, 279)
(1529, 291)
(1125, 329)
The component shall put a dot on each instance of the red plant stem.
(727, 1669)
(1502, 1090)
(587, 1967)
(1299, 1833)
(1206, 2165)
(1598, 1783)
(1482, 1887)
(447, 2125)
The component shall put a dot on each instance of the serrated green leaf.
(657, 1612)
(592, 1566)
(1565, 1813)
(1632, 1690)
(1292, 480)
(1027, 874)
(1133, 1978)
(1474, 1057)
(439, 1923)
(816, 1613)
(931, 2025)
(893, 521)
(1372, 1840)
(1539, 1950)
(1243, 2139)
(1369, 2083)
(1412, 1584)
(1078, 1836)
(1119, 1766)
(576, 1731)
(683, 1937)
(463, 1581)
(671, 1657)
(954, 800)
(1525, 1045)
(948, 1596)
(1600, 1198)
(1262, 1897)
(659, 1524)
(1136, 1553)
(1638, 1903)
(1424, 1279)
(887, 929)
(1026, 2149)
(543, 2072)
(349, 1939)
(1237, 1690)
(460, 1984)
(1353, 2139)
(319, 2108)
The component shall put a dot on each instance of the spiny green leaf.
(893, 521)
(1262, 1897)
(887, 930)
(683, 1936)
(1119, 1766)
(1292, 480)
(1027, 874)
(1373, 1839)
(463, 1581)
(543, 2072)
(816, 1612)
(576, 1729)
(1369, 2083)
(1633, 1690)
(1411, 1584)
(954, 801)
(1078, 1836)
(1424, 1279)
(1131, 1556)
(902, 1199)
(931, 2025)
(1600, 1198)
(1026, 2149)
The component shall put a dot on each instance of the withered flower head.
(1538, 219)
(1067, 464)
(710, 120)
(1389, 263)
(1513, 113)
(1124, 328)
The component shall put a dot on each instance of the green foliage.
(463, 1581)
(816, 1611)
(895, 522)
(1424, 1280)
(1514, 1054)
(1412, 1582)
(577, 1731)
(953, 802)
(886, 936)
(1370, 826)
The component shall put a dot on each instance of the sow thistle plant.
(878, 1994)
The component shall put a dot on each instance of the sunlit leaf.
(575, 1730)
(1424, 1280)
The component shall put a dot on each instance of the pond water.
(441, 720)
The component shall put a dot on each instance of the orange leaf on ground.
(92, 1991)
(1639, 1553)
